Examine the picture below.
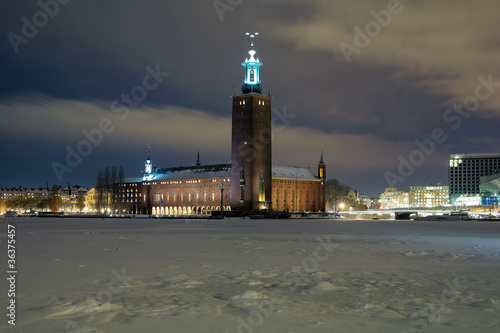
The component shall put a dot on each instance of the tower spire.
(252, 83)
(322, 160)
(252, 36)
(148, 168)
(198, 163)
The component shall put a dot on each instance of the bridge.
(399, 214)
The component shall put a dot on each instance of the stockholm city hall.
(249, 183)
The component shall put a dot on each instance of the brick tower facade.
(251, 151)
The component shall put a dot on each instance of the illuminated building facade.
(429, 196)
(393, 198)
(30, 193)
(465, 173)
(490, 190)
(250, 182)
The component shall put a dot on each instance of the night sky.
(362, 80)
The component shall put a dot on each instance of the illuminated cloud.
(170, 126)
(445, 45)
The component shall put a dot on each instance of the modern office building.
(464, 175)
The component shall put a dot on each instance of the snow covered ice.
(241, 275)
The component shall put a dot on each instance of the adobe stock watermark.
(454, 117)
(295, 276)
(120, 106)
(30, 28)
(372, 29)
(420, 319)
(223, 6)
(87, 307)
(280, 119)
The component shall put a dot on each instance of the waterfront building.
(392, 198)
(249, 182)
(429, 196)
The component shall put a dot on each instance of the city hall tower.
(251, 154)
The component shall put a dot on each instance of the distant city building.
(465, 174)
(90, 200)
(29, 193)
(393, 198)
(7, 194)
(249, 182)
(72, 198)
(429, 196)
(418, 197)
(96, 202)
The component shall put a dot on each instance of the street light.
(341, 206)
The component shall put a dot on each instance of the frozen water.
(241, 275)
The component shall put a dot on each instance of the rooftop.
(292, 172)
(464, 156)
(202, 171)
(224, 170)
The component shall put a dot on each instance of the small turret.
(322, 167)
(148, 169)
(198, 162)
(322, 160)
